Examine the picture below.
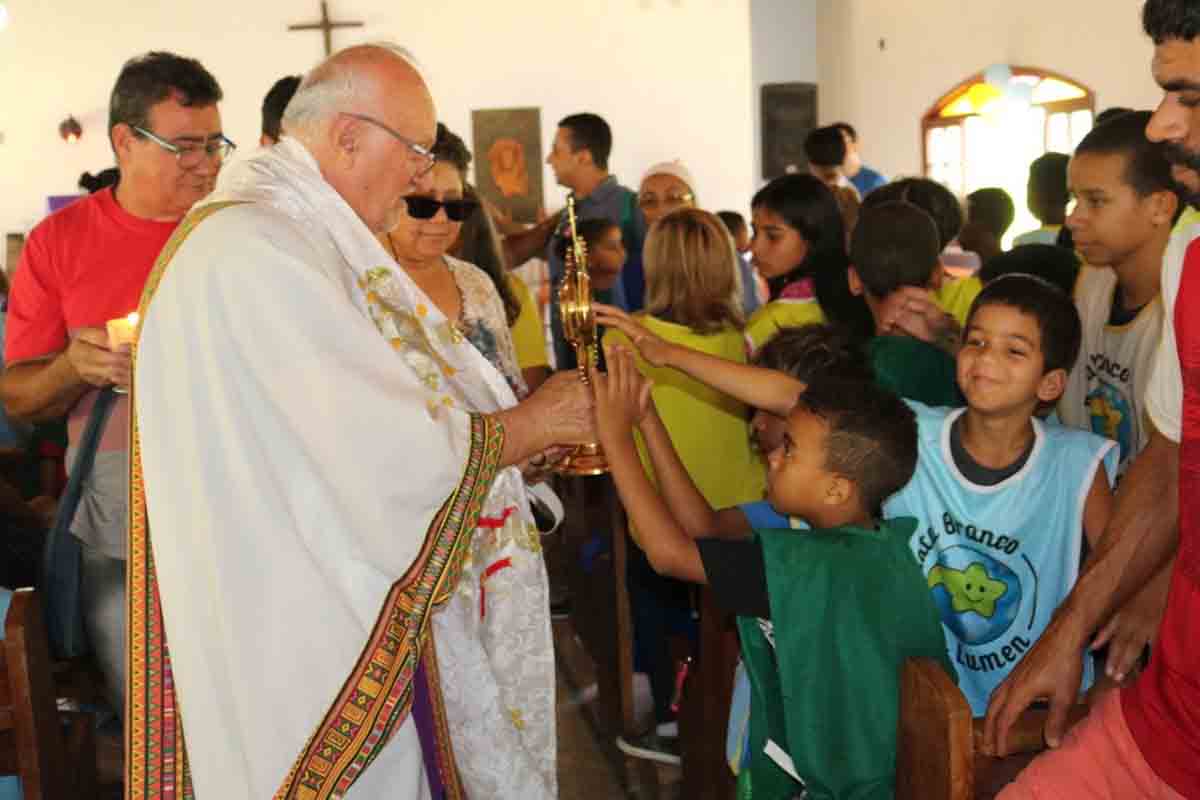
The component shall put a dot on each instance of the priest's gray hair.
(333, 86)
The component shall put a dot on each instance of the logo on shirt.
(1111, 417)
(979, 591)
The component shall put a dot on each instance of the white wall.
(673, 77)
(783, 49)
(931, 45)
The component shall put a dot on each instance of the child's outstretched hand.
(622, 397)
(911, 311)
(651, 347)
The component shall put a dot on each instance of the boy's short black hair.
(1111, 113)
(275, 102)
(846, 128)
(148, 80)
(872, 437)
(590, 132)
(1057, 265)
(733, 222)
(1048, 181)
(993, 208)
(1171, 19)
(825, 147)
(928, 195)
(590, 230)
(894, 245)
(816, 351)
(1147, 169)
(1055, 312)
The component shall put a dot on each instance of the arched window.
(987, 129)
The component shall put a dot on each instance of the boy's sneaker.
(651, 746)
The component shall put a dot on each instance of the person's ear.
(1052, 385)
(345, 136)
(839, 490)
(937, 277)
(122, 137)
(857, 287)
(1163, 206)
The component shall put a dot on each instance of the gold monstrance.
(579, 328)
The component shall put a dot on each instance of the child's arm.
(1097, 508)
(761, 388)
(622, 398)
(686, 503)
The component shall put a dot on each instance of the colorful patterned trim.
(447, 768)
(155, 758)
(377, 696)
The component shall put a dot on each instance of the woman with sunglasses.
(506, 672)
(421, 243)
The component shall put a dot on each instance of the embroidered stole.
(396, 665)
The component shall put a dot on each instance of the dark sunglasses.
(420, 207)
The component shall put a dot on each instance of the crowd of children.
(940, 453)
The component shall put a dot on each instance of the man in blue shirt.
(579, 158)
(865, 179)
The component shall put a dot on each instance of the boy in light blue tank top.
(1003, 499)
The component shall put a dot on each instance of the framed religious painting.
(508, 159)
(789, 113)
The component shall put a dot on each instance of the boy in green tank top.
(827, 614)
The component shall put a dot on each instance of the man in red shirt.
(87, 264)
(1145, 740)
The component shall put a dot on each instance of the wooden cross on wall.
(325, 26)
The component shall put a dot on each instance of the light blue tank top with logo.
(999, 559)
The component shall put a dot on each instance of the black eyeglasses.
(421, 207)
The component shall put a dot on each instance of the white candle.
(122, 330)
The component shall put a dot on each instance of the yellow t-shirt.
(954, 297)
(769, 319)
(710, 430)
(528, 339)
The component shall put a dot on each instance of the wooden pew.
(594, 531)
(600, 616)
(53, 753)
(704, 712)
(938, 754)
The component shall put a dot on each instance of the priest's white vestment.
(311, 436)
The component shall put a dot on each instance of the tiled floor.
(584, 770)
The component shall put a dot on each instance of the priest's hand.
(560, 412)
(97, 365)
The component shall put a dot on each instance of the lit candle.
(122, 330)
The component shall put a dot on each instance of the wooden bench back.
(32, 743)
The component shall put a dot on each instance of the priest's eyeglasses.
(424, 154)
(191, 154)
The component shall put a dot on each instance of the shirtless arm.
(767, 389)
(1139, 540)
(621, 398)
(686, 503)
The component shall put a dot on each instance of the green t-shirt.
(914, 370)
(848, 606)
